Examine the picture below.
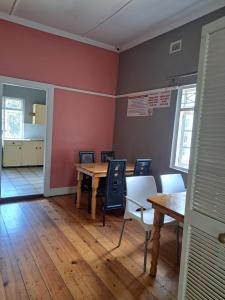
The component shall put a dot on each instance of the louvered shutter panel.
(206, 268)
(203, 256)
(209, 185)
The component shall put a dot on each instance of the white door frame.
(49, 89)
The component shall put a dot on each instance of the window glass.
(188, 98)
(12, 118)
(181, 147)
(13, 103)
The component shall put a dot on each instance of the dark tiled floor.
(22, 181)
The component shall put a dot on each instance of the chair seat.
(148, 217)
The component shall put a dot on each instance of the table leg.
(95, 182)
(79, 181)
(158, 222)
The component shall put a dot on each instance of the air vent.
(176, 46)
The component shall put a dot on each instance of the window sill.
(179, 169)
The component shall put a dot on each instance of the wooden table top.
(170, 204)
(99, 168)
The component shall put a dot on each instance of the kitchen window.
(182, 135)
(12, 117)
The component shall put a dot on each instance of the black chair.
(107, 155)
(86, 185)
(87, 157)
(115, 185)
(142, 167)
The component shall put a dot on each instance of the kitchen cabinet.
(13, 155)
(39, 114)
(29, 153)
(23, 153)
(40, 153)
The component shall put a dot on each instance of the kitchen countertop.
(25, 139)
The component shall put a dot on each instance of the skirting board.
(61, 191)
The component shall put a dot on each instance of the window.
(181, 145)
(12, 117)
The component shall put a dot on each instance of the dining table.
(95, 171)
(172, 205)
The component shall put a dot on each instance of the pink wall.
(31, 54)
(81, 121)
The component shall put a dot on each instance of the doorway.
(26, 122)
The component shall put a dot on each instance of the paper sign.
(153, 100)
(137, 106)
(143, 105)
(164, 99)
(150, 111)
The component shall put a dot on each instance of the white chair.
(173, 183)
(139, 188)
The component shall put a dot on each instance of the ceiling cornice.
(194, 13)
(55, 31)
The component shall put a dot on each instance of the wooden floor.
(50, 250)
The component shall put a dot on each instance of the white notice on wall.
(164, 98)
(137, 106)
(143, 105)
(159, 99)
(153, 100)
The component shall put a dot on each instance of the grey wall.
(30, 96)
(149, 66)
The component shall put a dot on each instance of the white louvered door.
(202, 274)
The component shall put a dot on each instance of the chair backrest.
(172, 183)
(140, 188)
(142, 167)
(87, 157)
(107, 156)
(115, 184)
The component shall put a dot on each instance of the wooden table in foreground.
(96, 171)
(172, 205)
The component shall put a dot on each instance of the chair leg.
(103, 220)
(147, 238)
(89, 202)
(178, 243)
(121, 234)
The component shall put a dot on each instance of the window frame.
(4, 108)
(176, 127)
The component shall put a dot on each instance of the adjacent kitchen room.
(23, 137)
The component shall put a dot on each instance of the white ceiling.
(106, 23)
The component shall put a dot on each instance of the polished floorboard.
(51, 250)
